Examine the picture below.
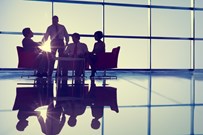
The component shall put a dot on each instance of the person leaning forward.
(33, 47)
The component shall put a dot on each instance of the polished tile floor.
(158, 102)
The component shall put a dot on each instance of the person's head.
(76, 37)
(95, 124)
(21, 125)
(55, 20)
(72, 121)
(98, 35)
(27, 32)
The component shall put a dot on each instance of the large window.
(84, 19)
(157, 34)
(16, 15)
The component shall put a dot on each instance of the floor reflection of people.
(28, 99)
(100, 97)
(55, 120)
(74, 105)
(33, 47)
(75, 98)
(72, 101)
(23, 114)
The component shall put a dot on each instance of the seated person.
(77, 50)
(99, 47)
(32, 47)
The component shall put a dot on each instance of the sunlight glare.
(46, 46)
(43, 111)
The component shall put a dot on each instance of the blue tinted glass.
(180, 3)
(15, 15)
(79, 18)
(168, 23)
(126, 21)
(171, 54)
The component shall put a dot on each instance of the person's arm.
(42, 124)
(29, 44)
(46, 35)
(94, 48)
(86, 49)
(35, 44)
(67, 50)
(66, 35)
(104, 47)
(62, 122)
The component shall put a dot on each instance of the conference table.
(71, 64)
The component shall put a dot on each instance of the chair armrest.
(105, 56)
(105, 61)
(27, 60)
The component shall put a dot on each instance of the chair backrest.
(26, 59)
(27, 97)
(107, 60)
(115, 52)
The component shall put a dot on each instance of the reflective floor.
(134, 103)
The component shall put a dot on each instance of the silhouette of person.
(76, 49)
(28, 99)
(57, 33)
(74, 108)
(99, 47)
(23, 114)
(31, 46)
(54, 122)
(74, 103)
(100, 97)
(55, 119)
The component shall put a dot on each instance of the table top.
(67, 58)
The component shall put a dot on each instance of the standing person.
(77, 49)
(57, 33)
(33, 47)
(99, 47)
(55, 120)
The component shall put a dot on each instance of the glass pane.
(9, 57)
(198, 89)
(167, 90)
(128, 1)
(168, 23)
(8, 52)
(126, 21)
(8, 85)
(198, 54)
(134, 53)
(134, 92)
(198, 120)
(89, 42)
(79, 18)
(199, 3)
(165, 119)
(181, 3)
(126, 122)
(198, 24)
(17, 14)
(171, 54)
